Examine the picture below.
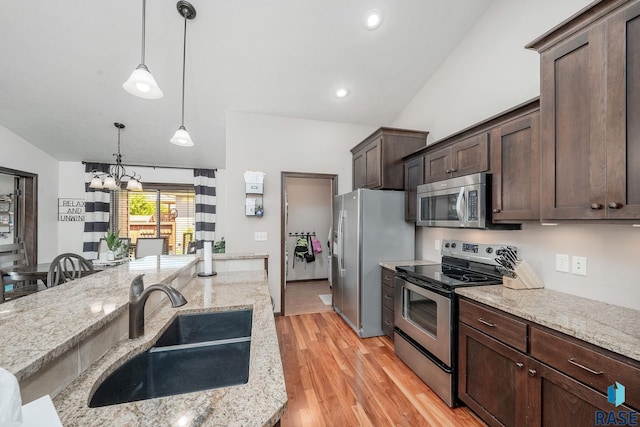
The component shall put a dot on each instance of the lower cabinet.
(507, 387)
(387, 301)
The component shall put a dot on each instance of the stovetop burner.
(449, 276)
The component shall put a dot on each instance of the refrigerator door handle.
(341, 243)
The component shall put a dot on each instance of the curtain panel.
(96, 219)
(205, 215)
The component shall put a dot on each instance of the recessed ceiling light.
(372, 19)
(343, 92)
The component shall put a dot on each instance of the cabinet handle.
(573, 362)
(519, 365)
(596, 206)
(484, 322)
(387, 323)
(615, 205)
(496, 211)
(387, 297)
(532, 372)
(449, 170)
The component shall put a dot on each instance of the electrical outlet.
(579, 265)
(436, 245)
(261, 236)
(562, 263)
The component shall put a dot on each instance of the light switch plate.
(579, 265)
(261, 236)
(436, 245)
(562, 263)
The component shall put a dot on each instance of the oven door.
(425, 316)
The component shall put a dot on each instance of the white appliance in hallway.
(369, 227)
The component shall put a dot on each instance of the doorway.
(306, 219)
(19, 193)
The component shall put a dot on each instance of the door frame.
(26, 205)
(283, 176)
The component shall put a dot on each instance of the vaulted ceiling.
(62, 65)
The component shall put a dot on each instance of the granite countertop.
(391, 265)
(261, 401)
(36, 329)
(608, 326)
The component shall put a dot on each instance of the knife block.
(526, 278)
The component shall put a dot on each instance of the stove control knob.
(453, 245)
(446, 245)
(489, 250)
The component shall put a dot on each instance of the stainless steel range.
(426, 316)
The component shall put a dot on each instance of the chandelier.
(117, 174)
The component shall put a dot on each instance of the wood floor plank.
(335, 378)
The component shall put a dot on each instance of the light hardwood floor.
(334, 378)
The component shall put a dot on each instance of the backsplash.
(612, 252)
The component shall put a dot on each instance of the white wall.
(487, 73)
(71, 179)
(21, 155)
(274, 144)
(309, 212)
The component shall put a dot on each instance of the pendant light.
(182, 137)
(141, 83)
(117, 174)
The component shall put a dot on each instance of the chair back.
(192, 247)
(146, 246)
(67, 267)
(11, 255)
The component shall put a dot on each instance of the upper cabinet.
(515, 167)
(589, 106)
(377, 161)
(470, 155)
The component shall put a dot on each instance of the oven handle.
(459, 206)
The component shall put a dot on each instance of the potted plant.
(113, 243)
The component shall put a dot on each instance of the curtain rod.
(84, 162)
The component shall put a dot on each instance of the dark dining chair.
(67, 267)
(192, 247)
(11, 256)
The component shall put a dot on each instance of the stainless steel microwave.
(462, 202)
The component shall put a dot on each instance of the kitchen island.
(58, 344)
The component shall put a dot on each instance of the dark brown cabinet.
(464, 157)
(515, 167)
(413, 176)
(589, 104)
(507, 386)
(377, 161)
(387, 301)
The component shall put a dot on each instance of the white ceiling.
(62, 65)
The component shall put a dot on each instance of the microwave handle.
(460, 206)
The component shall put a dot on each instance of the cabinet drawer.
(387, 297)
(388, 277)
(387, 322)
(585, 364)
(499, 326)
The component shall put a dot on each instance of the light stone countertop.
(261, 401)
(391, 265)
(608, 326)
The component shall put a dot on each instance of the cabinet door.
(572, 114)
(558, 400)
(437, 165)
(623, 114)
(373, 159)
(515, 167)
(359, 170)
(470, 155)
(492, 379)
(413, 176)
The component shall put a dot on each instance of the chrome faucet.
(138, 297)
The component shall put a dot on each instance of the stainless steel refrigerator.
(369, 227)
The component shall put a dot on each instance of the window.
(162, 210)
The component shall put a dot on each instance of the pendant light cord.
(184, 56)
(144, 12)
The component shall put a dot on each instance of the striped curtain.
(96, 218)
(205, 187)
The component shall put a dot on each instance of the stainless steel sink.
(202, 327)
(197, 352)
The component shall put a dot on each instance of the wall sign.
(70, 209)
